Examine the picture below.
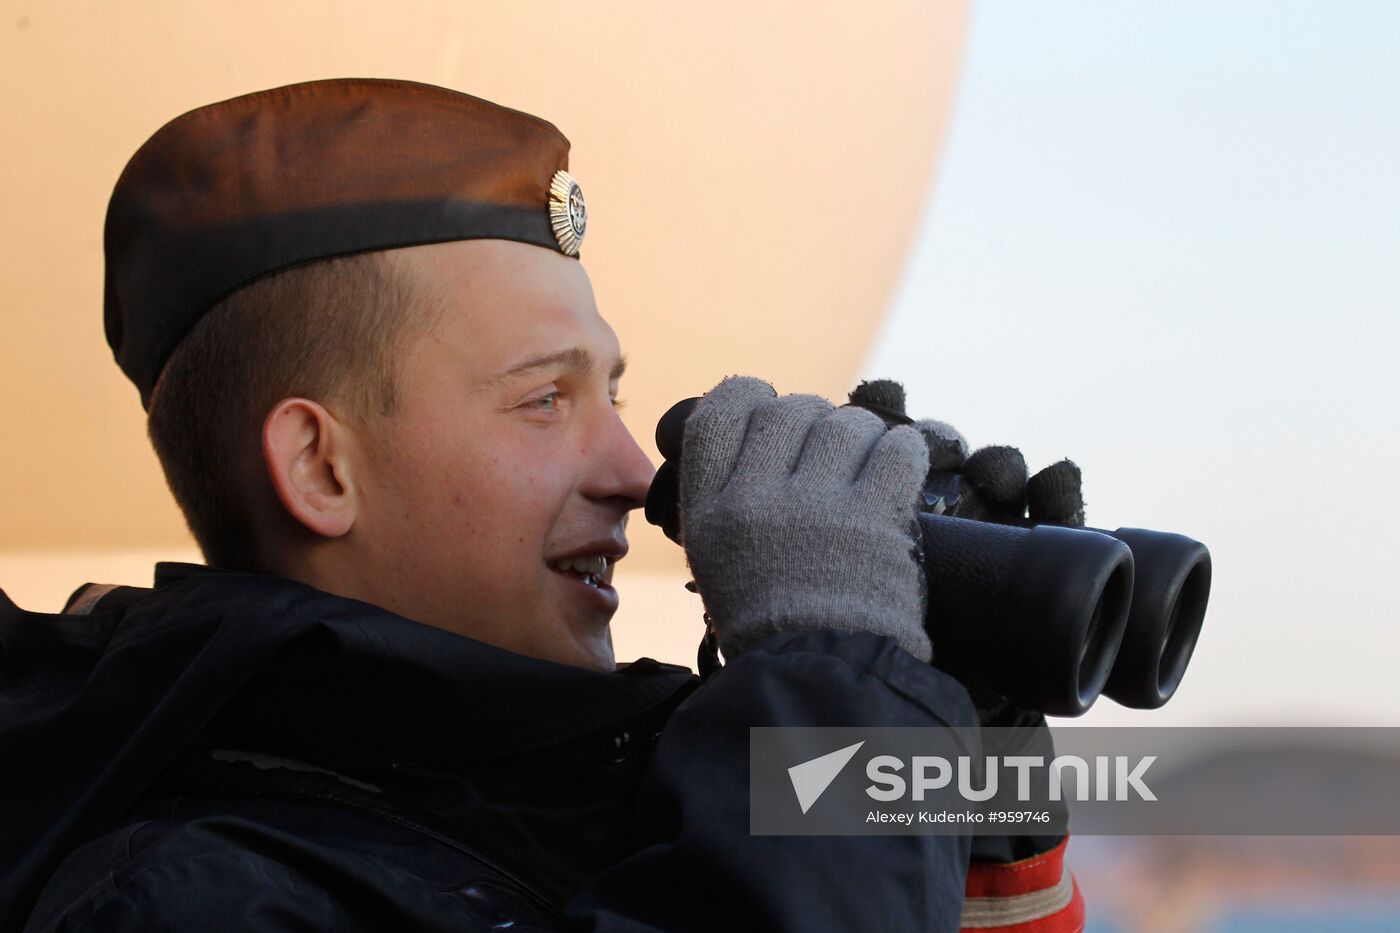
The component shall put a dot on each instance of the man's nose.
(624, 472)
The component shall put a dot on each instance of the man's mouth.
(592, 570)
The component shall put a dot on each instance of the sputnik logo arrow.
(811, 778)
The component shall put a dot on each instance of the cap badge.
(568, 215)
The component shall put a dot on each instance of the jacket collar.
(353, 683)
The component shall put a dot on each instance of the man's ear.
(306, 451)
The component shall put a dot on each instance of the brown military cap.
(235, 191)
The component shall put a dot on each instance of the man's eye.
(618, 403)
(548, 402)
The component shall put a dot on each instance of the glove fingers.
(774, 440)
(998, 474)
(1056, 495)
(895, 471)
(947, 449)
(714, 435)
(837, 447)
(885, 397)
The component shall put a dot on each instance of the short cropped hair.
(331, 331)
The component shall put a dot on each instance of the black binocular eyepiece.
(1049, 616)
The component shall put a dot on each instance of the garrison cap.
(235, 191)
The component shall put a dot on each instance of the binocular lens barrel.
(1036, 614)
(1170, 590)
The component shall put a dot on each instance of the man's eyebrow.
(572, 358)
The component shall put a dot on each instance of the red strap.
(1034, 895)
(1004, 879)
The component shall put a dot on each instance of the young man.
(385, 400)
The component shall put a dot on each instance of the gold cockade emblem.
(568, 214)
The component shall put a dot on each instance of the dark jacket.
(234, 751)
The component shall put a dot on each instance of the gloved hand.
(798, 516)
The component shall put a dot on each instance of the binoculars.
(1053, 617)
(1049, 616)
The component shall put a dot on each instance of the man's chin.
(592, 650)
(583, 631)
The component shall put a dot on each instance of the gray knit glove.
(798, 516)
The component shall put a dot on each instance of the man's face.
(491, 498)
